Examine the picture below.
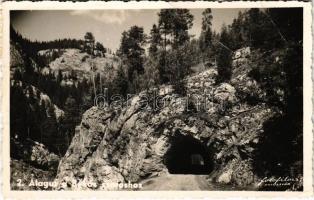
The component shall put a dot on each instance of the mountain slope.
(140, 141)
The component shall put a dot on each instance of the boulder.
(225, 93)
(225, 177)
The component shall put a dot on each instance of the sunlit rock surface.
(135, 143)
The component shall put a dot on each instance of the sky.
(106, 25)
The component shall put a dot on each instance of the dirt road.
(177, 182)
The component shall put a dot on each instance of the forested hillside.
(63, 70)
(251, 69)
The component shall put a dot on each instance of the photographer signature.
(278, 181)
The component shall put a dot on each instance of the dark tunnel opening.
(187, 155)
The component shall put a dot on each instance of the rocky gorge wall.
(31, 160)
(134, 142)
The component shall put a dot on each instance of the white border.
(307, 91)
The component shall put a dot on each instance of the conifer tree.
(49, 127)
(89, 43)
(155, 40)
(165, 25)
(71, 117)
(205, 42)
(224, 57)
(132, 50)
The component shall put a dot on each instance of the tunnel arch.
(187, 155)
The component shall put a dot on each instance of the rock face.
(34, 153)
(73, 60)
(40, 99)
(16, 57)
(30, 161)
(240, 56)
(145, 137)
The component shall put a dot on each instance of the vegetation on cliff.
(234, 97)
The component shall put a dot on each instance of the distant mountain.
(83, 65)
(31, 48)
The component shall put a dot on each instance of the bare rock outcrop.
(136, 141)
(34, 153)
(31, 161)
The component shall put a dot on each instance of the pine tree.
(18, 112)
(176, 23)
(224, 57)
(100, 48)
(124, 44)
(132, 50)
(182, 22)
(255, 27)
(237, 32)
(165, 24)
(87, 101)
(206, 28)
(89, 43)
(155, 40)
(120, 83)
(205, 41)
(49, 128)
(71, 118)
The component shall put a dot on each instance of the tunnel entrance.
(187, 155)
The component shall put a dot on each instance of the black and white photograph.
(170, 99)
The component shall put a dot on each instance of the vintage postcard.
(157, 99)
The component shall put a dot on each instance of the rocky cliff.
(82, 64)
(31, 160)
(145, 138)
